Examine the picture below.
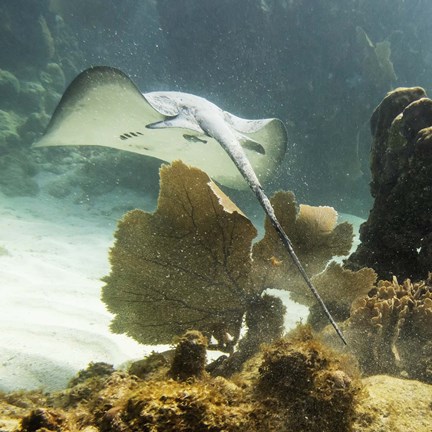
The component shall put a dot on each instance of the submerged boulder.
(397, 237)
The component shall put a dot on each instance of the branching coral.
(390, 331)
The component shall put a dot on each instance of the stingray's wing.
(103, 107)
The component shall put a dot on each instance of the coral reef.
(396, 238)
(32, 77)
(100, 399)
(43, 420)
(333, 82)
(296, 383)
(9, 88)
(376, 60)
(264, 320)
(16, 178)
(90, 172)
(324, 96)
(191, 265)
(390, 330)
(8, 131)
(174, 406)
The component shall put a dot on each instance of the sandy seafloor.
(53, 253)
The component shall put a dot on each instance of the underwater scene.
(216, 215)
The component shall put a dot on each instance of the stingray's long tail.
(268, 208)
(231, 145)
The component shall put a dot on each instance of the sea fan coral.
(184, 267)
(191, 264)
(316, 238)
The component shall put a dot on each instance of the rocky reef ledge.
(294, 384)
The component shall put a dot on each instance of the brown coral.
(390, 331)
(185, 266)
(189, 264)
(316, 239)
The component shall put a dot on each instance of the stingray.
(103, 107)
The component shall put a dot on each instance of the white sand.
(52, 321)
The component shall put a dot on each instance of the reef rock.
(296, 383)
(9, 88)
(397, 237)
(394, 405)
(311, 386)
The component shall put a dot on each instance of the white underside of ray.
(106, 109)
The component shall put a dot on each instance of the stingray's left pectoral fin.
(102, 106)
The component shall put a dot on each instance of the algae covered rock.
(9, 88)
(9, 137)
(172, 406)
(314, 386)
(190, 356)
(295, 384)
(43, 419)
(394, 405)
(16, 175)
